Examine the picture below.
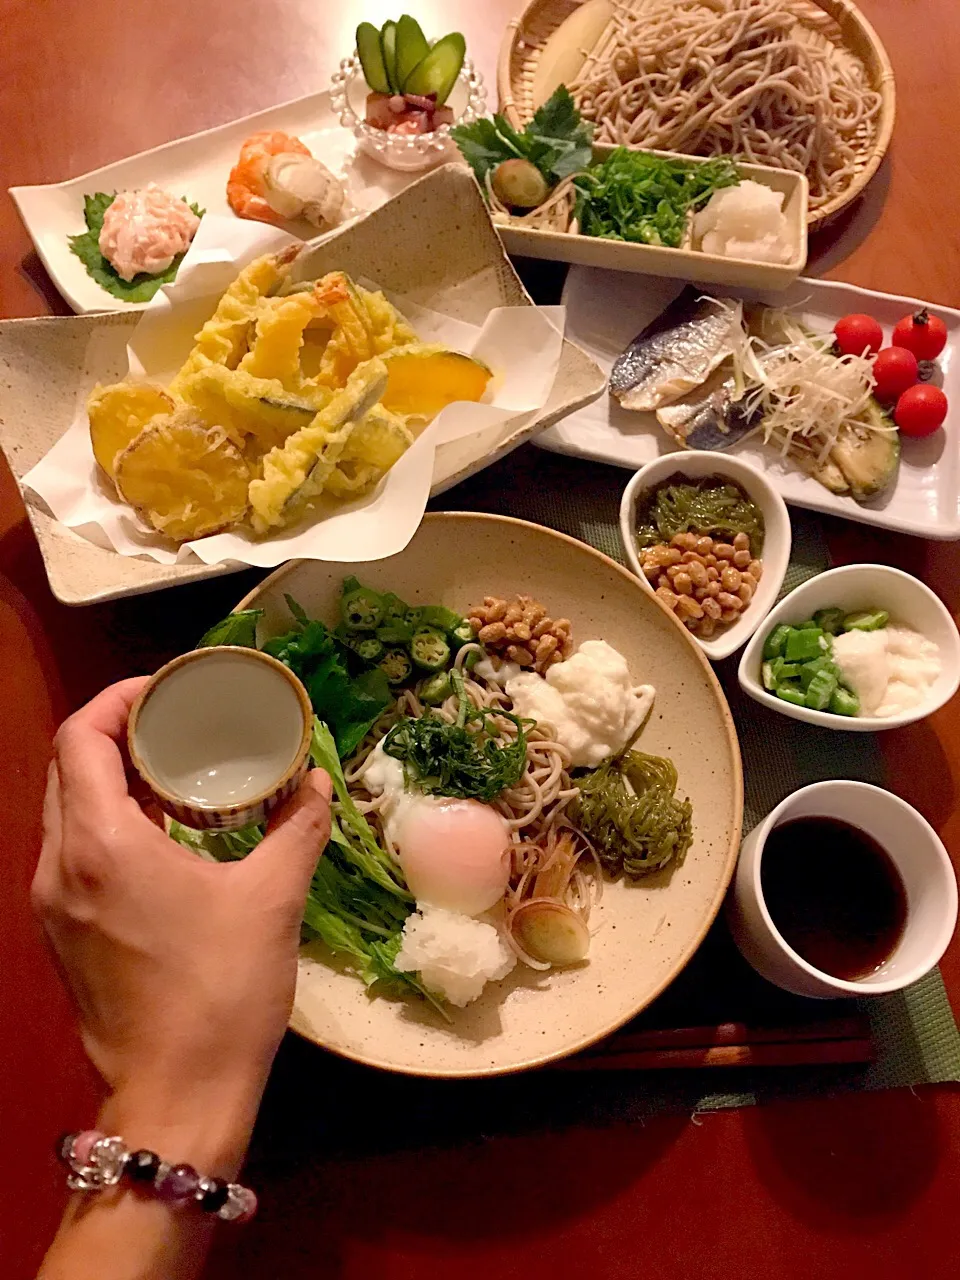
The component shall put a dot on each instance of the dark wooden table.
(863, 1187)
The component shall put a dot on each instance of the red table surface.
(858, 1186)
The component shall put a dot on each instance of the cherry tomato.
(858, 335)
(894, 369)
(920, 410)
(923, 334)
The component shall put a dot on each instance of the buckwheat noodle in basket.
(732, 77)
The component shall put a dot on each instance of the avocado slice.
(869, 463)
(830, 476)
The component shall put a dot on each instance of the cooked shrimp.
(245, 191)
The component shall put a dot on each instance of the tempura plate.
(606, 309)
(643, 933)
(434, 245)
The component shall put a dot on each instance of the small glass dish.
(421, 151)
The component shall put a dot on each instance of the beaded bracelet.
(97, 1162)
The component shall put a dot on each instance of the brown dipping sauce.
(834, 894)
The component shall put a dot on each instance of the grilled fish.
(677, 351)
(708, 417)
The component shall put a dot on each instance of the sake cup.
(221, 736)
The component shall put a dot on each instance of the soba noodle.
(533, 810)
(732, 77)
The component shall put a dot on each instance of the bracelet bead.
(177, 1183)
(212, 1194)
(240, 1204)
(96, 1162)
(142, 1166)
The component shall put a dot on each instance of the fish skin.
(677, 351)
(708, 418)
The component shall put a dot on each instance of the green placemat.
(915, 1033)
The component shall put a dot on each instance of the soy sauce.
(834, 894)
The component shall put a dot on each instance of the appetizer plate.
(684, 263)
(606, 310)
(195, 167)
(643, 933)
(440, 253)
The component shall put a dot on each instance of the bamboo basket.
(839, 21)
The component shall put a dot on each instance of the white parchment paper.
(521, 344)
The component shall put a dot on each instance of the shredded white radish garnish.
(808, 395)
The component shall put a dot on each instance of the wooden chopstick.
(730, 1044)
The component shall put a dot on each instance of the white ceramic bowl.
(221, 736)
(861, 586)
(776, 543)
(645, 932)
(919, 856)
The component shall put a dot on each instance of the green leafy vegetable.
(709, 505)
(346, 693)
(646, 199)
(236, 628)
(463, 759)
(357, 902)
(349, 701)
(87, 248)
(556, 141)
(629, 811)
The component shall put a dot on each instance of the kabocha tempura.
(291, 391)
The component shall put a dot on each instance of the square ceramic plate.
(433, 244)
(195, 167)
(606, 310)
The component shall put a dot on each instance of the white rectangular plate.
(680, 264)
(607, 309)
(196, 168)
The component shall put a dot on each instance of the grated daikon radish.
(808, 394)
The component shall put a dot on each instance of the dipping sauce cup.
(221, 736)
(917, 855)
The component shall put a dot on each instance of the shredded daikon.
(807, 394)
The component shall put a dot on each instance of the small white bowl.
(221, 736)
(776, 541)
(919, 856)
(467, 100)
(861, 586)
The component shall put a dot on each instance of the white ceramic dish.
(606, 310)
(409, 154)
(919, 856)
(776, 542)
(221, 735)
(195, 167)
(642, 934)
(861, 586)
(684, 263)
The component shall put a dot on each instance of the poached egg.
(453, 853)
